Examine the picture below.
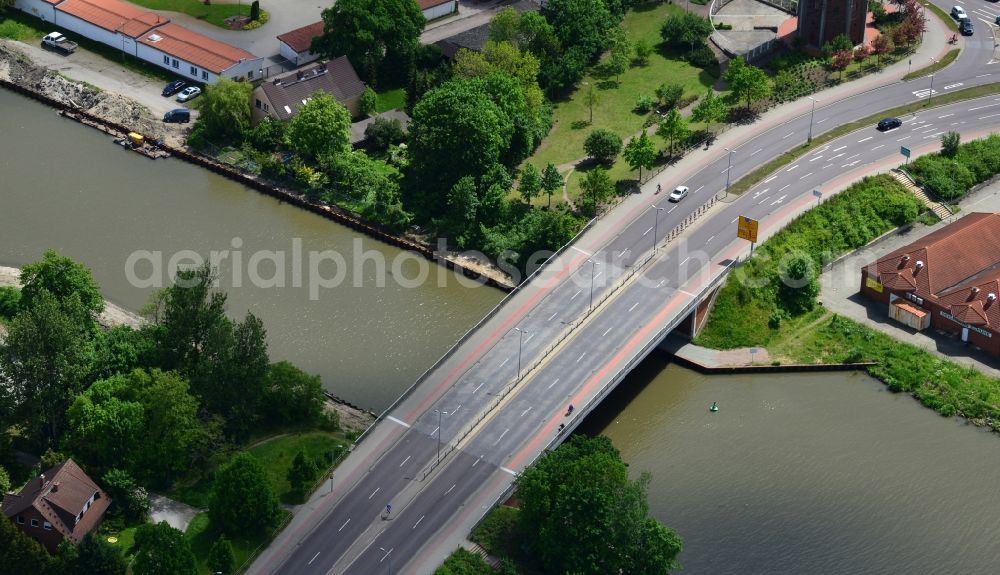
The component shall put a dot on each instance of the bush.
(644, 104)
(384, 132)
(128, 498)
(267, 136)
(701, 57)
(10, 298)
(603, 145)
(369, 101)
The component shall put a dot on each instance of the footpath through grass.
(753, 307)
(613, 110)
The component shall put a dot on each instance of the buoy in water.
(714, 408)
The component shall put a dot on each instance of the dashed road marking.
(839, 149)
(878, 146)
(952, 114)
(865, 139)
(554, 381)
(582, 251)
(477, 387)
(576, 294)
(755, 151)
(377, 489)
(525, 412)
(405, 460)
(314, 558)
(633, 306)
(769, 179)
(453, 485)
(581, 357)
(981, 107)
(904, 138)
(806, 176)
(783, 187)
(344, 525)
(551, 317)
(826, 166)
(504, 362)
(501, 436)
(816, 158)
(786, 135)
(418, 522)
(792, 168)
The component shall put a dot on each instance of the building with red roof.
(148, 36)
(294, 45)
(948, 280)
(434, 9)
(62, 503)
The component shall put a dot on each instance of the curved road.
(355, 535)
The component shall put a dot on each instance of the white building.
(147, 36)
(294, 45)
(433, 9)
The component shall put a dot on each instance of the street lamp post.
(593, 268)
(656, 225)
(520, 343)
(386, 556)
(730, 168)
(930, 92)
(812, 113)
(440, 413)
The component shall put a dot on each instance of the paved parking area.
(840, 285)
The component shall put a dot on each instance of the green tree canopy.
(673, 128)
(128, 498)
(685, 29)
(220, 557)
(242, 498)
(225, 109)
(302, 473)
(581, 514)
(597, 188)
(581, 23)
(640, 153)
(27, 555)
(291, 395)
(61, 277)
(603, 145)
(552, 181)
(530, 183)
(747, 83)
(4, 481)
(162, 550)
(95, 556)
(370, 32)
(710, 109)
(322, 126)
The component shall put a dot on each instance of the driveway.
(840, 285)
(178, 515)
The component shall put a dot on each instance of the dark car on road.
(886, 124)
(965, 27)
(173, 87)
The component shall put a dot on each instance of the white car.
(188, 93)
(958, 13)
(679, 193)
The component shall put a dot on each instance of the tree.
(552, 180)
(685, 28)
(464, 562)
(370, 32)
(220, 556)
(673, 128)
(597, 187)
(225, 109)
(302, 473)
(4, 481)
(242, 498)
(46, 360)
(530, 183)
(798, 284)
(669, 94)
(457, 130)
(840, 43)
(580, 513)
(322, 126)
(95, 556)
(580, 23)
(591, 98)
(640, 153)
(861, 54)
(710, 109)
(369, 102)
(747, 83)
(62, 277)
(841, 60)
(384, 132)
(881, 45)
(128, 498)
(24, 554)
(620, 55)
(603, 145)
(291, 395)
(162, 550)
(949, 144)
(643, 50)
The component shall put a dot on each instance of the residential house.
(282, 97)
(61, 504)
(433, 9)
(294, 45)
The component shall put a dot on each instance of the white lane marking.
(418, 522)
(946, 115)
(405, 460)
(623, 252)
(981, 107)
(724, 171)
(766, 198)
(435, 430)
(399, 421)
(508, 471)
(314, 558)
(454, 411)
(386, 555)
(582, 251)
(344, 525)
(377, 489)
(878, 146)
(806, 176)
(661, 283)
(837, 156)
(647, 231)
(982, 75)
(926, 128)
(769, 179)
(821, 121)
(504, 362)
(687, 293)
(555, 381)
(685, 260)
(792, 168)
(710, 239)
(849, 157)
(633, 306)
(785, 136)
(532, 334)
(501, 437)
(755, 151)
(826, 166)
(839, 149)
(764, 191)
(905, 138)
(450, 488)
(783, 187)
(866, 139)
(525, 412)
(606, 332)
(734, 220)
(924, 93)
(696, 191)
(576, 294)
(477, 387)
(779, 200)
(950, 86)
(816, 158)
(989, 116)
(672, 209)
(551, 317)
(597, 275)
(476, 462)
(581, 357)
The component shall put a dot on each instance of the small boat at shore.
(715, 407)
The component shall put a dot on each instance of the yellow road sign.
(747, 229)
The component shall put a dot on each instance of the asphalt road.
(357, 537)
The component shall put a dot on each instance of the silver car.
(188, 93)
(679, 193)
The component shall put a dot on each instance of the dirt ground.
(351, 419)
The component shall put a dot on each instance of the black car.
(965, 27)
(173, 87)
(889, 123)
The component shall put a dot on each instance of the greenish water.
(66, 187)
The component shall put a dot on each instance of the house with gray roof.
(281, 97)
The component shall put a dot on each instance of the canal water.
(810, 473)
(67, 187)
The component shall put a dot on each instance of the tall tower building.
(823, 20)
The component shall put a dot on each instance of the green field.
(212, 13)
(277, 455)
(389, 100)
(202, 534)
(614, 111)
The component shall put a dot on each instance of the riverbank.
(112, 316)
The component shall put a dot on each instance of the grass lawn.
(614, 110)
(212, 13)
(277, 455)
(391, 99)
(202, 534)
(20, 29)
